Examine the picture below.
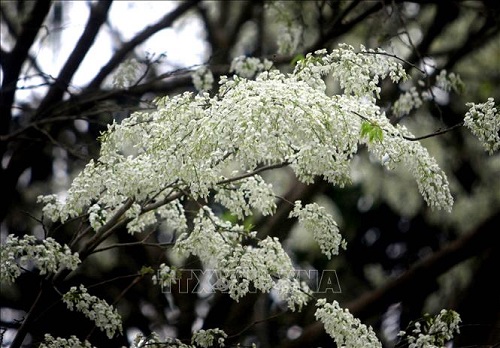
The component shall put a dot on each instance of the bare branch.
(97, 17)
(131, 244)
(13, 61)
(438, 132)
(255, 172)
(118, 57)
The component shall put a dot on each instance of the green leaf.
(297, 59)
(372, 131)
(146, 270)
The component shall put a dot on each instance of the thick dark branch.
(244, 16)
(408, 284)
(209, 28)
(341, 28)
(475, 40)
(120, 55)
(97, 17)
(446, 13)
(13, 61)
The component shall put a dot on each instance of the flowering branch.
(436, 133)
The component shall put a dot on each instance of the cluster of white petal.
(434, 331)
(273, 119)
(206, 338)
(484, 122)
(343, 327)
(250, 193)
(127, 74)
(294, 292)
(396, 150)
(185, 147)
(248, 67)
(358, 73)
(449, 81)
(290, 30)
(105, 317)
(154, 340)
(407, 102)
(166, 276)
(203, 79)
(218, 245)
(71, 342)
(323, 227)
(46, 255)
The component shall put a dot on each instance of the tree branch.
(97, 17)
(255, 172)
(120, 55)
(341, 28)
(13, 61)
(438, 132)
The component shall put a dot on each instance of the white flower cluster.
(393, 149)
(154, 340)
(248, 67)
(166, 276)
(201, 338)
(172, 213)
(105, 317)
(250, 193)
(206, 338)
(323, 227)
(448, 82)
(413, 99)
(341, 325)
(407, 102)
(203, 79)
(358, 73)
(483, 120)
(275, 119)
(294, 292)
(71, 342)
(218, 245)
(127, 73)
(47, 255)
(290, 30)
(187, 145)
(433, 332)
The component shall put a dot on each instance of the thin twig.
(438, 132)
(256, 171)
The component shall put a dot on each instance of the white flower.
(484, 122)
(71, 342)
(323, 227)
(203, 79)
(207, 338)
(433, 331)
(346, 330)
(290, 29)
(407, 102)
(105, 317)
(153, 340)
(166, 276)
(448, 82)
(250, 193)
(127, 73)
(46, 255)
(248, 67)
